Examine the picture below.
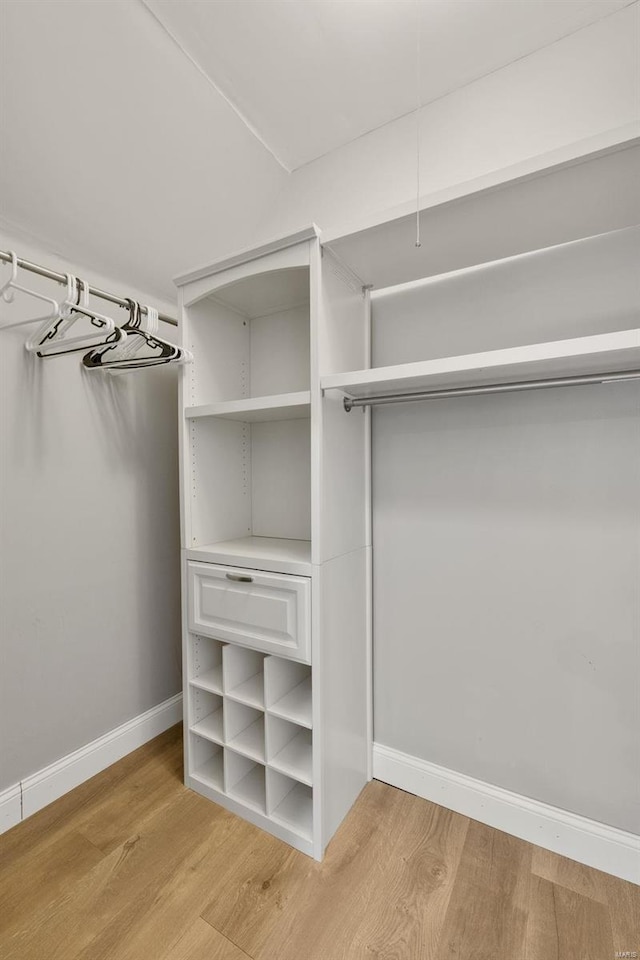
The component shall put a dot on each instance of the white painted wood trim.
(368, 493)
(246, 256)
(53, 781)
(568, 834)
(10, 807)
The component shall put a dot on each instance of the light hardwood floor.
(133, 866)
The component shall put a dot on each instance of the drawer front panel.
(271, 613)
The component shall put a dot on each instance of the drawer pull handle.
(239, 578)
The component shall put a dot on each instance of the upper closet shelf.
(579, 191)
(283, 406)
(603, 353)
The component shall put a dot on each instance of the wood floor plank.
(201, 942)
(265, 907)
(134, 784)
(487, 915)
(623, 902)
(179, 898)
(111, 816)
(621, 898)
(259, 881)
(48, 853)
(405, 919)
(568, 873)
(584, 928)
(133, 866)
(42, 875)
(380, 891)
(99, 911)
(541, 937)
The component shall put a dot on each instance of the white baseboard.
(41, 788)
(10, 807)
(587, 841)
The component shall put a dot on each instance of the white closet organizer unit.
(593, 199)
(275, 475)
(276, 541)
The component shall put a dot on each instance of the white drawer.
(267, 611)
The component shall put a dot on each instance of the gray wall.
(506, 545)
(89, 558)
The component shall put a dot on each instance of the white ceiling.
(308, 76)
(121, 155)
(115, 153)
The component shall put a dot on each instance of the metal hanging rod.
(61, 278)
(351, 402)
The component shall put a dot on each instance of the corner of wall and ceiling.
(443, 96)
(252, 130)
(273, 153)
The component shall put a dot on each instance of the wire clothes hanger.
(144, 348)
(51, 339)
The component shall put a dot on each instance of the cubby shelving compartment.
(234, 743)
(260, 472)
(289, 749)
(288, 690)
(247, 407)
(244, 675)
(245, 780)
(206, 715)
(206, 663)
(244, 730)
(251, 338)
(290, 803)
(207, 765)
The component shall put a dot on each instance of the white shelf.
(250, 691)
(210, 727)
(250, 741)
(284, 406)
(482, 220)
(295, 705)
(296, 811)
(251, 790)
(211, 772)
(258, 553)
(295, 759)
(211, 680)
(581, 356)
